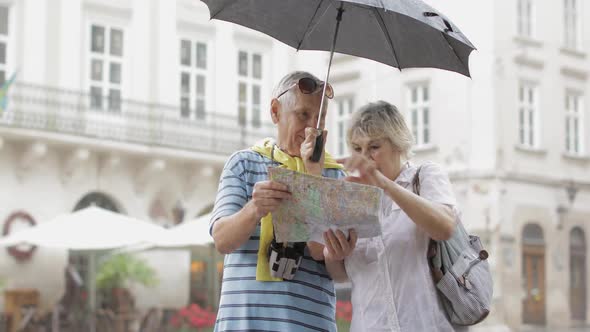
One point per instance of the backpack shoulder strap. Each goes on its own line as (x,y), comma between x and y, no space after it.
(416,181)
(432,254)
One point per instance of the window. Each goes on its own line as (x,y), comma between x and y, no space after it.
(525,18)
(193,79)
(574,120)
(420,114)
(106,67)
(527,115)
(571,27)
(4,12)
(345,107)
(249,88)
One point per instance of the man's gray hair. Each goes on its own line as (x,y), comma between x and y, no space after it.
(382,120)
(288,99)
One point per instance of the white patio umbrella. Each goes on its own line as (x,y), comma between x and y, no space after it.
(90,230)
(178,240)
(192,233)
(188,234)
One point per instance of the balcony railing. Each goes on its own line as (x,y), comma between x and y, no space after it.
(54,110)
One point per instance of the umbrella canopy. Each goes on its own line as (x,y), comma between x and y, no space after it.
(188,234)
(400,33)
(89,229)
(191,233)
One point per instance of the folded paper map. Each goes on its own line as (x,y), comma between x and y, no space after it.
(318,204)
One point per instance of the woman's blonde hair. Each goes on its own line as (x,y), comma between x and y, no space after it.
(382,120)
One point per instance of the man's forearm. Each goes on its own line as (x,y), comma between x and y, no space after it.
(229,233)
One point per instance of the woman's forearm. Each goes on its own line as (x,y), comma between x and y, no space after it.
(316,250)
(434,218)
(336,270)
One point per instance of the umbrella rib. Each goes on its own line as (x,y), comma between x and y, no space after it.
(455,52)
(384,29)
(309,23)
(222,9)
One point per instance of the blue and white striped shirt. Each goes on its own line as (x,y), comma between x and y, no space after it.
(306,303)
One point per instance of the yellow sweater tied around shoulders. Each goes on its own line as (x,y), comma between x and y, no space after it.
(265,148)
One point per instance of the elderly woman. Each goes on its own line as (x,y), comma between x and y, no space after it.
(392,288)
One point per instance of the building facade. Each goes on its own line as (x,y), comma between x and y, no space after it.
(135,105)
(130,105)
(514,139)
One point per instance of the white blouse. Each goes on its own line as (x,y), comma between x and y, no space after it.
(392,288)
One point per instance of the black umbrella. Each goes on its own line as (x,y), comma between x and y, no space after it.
(399,33)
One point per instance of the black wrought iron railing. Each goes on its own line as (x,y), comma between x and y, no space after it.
(54,110)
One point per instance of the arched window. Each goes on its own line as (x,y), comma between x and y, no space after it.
(533,274)
(578,240)
(578,274)
(532,235)
(205,210)
(97,199)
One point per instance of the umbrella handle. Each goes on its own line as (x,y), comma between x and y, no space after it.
(318,148)
(319,141)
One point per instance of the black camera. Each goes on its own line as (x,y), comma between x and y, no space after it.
(284,260)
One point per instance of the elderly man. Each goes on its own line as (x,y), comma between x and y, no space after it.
(253,296)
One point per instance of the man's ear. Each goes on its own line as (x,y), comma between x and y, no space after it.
(275,107)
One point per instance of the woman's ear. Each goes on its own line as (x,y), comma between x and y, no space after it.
(275,107)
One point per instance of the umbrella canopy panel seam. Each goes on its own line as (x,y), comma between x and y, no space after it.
(310,21)
(387,36)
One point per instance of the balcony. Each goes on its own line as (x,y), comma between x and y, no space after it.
(65,112)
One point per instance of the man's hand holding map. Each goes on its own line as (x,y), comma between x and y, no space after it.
(319,204)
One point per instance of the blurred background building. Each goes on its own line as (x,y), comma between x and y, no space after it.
(135,105)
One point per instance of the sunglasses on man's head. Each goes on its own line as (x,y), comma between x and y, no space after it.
(308,85)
